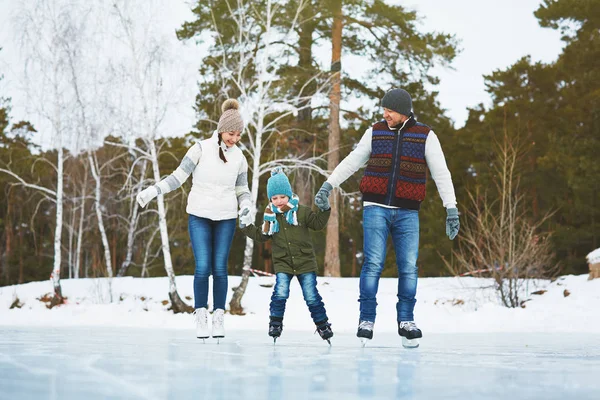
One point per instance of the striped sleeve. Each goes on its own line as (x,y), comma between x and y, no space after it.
(241,184)
(183,171)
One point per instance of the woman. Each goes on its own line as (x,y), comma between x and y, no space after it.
(220,184)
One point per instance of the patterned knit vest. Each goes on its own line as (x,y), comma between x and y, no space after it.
(396,173)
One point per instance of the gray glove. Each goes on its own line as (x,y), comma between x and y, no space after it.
(322,197)
(146,195)
(452,223)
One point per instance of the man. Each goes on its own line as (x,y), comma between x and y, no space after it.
(395,151)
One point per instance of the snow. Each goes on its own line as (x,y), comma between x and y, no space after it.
(594,257)
(444,305)
(134,348)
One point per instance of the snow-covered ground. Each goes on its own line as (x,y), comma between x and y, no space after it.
(445,305)
(473,348)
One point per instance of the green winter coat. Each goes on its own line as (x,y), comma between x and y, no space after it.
(293,251)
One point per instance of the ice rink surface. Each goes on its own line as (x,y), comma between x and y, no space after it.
(122,363)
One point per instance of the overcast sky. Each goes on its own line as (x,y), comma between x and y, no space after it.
(493,34)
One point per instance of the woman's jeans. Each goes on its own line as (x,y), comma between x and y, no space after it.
(211,241)
(403,225)
(308,283)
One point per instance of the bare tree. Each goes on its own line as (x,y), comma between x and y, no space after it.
(42,26)
(143,70)
(499,238)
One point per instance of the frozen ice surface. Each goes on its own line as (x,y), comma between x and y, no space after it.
(100,363)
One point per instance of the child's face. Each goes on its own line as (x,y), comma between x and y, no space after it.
(280,200)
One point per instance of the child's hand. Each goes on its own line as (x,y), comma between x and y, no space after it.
(322,197)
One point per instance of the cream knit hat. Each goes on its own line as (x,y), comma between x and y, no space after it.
(231,119)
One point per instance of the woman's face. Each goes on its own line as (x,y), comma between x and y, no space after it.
(231,138)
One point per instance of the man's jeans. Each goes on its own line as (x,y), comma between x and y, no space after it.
(211,241)
(403,224)
(308,283)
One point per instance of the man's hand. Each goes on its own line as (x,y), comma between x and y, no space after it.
(144,197)
(452,223)
(322,197)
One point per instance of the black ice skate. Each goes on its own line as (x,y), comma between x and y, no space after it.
(275,328)
(365,331)
(324,329)
(410,334)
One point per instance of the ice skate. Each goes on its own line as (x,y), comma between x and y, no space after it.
(365,332)
(218,324)
(410,334)
(201,318)
(324,329)
(275,328)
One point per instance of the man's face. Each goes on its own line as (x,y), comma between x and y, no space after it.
(393,118)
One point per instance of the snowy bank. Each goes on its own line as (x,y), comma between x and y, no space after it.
(569,304)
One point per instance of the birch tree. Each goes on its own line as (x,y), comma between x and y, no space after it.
(143,69)
(42,26)
(81,67)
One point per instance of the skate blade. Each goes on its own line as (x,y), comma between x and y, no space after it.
(329,341)
(410,343)
(364,341)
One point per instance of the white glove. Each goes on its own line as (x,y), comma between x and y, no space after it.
(146,195)
(247,214)
(246,220)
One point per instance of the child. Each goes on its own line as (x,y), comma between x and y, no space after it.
(287,223)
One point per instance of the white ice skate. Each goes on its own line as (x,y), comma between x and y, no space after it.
(218,324)
(201,318)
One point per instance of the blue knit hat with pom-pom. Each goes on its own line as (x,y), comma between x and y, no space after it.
(278,183)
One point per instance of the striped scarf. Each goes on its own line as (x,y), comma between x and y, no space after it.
(290,211)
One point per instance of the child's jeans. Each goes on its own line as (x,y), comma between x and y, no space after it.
(308,283)
(211,241)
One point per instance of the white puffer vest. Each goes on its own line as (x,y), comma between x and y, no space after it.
(213,185)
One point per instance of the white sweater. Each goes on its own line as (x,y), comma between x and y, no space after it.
(218,188)
(434,156)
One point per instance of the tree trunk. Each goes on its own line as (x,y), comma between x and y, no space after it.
(58,299)
(98,206)
(21,249)
(133,221)
(9,236)
(332,246)
(177,305)
(80,227)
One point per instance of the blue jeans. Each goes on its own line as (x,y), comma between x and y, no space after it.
(308,283)
(211,241)
(403,224)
